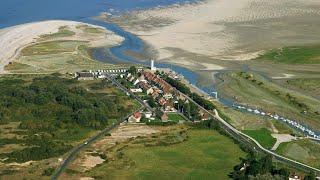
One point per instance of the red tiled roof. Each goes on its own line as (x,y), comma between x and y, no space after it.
(137,115)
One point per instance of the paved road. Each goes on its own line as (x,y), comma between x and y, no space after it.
(247,139)
(77,149)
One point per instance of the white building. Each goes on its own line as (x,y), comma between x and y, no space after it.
(153,68)
(137,90)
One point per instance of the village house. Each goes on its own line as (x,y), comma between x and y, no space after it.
(143,85)
(150,91)
(148,114)
(166,87)
(142,78)
(84,76)
(294,177)
(169,106)
(162,101)
(164,117)
(136,82)
(204,115)
(135,118)
(155,95)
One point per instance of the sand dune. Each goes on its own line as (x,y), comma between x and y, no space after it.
(14,39)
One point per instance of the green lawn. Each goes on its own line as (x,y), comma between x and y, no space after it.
(175,117)
(305,151)
(263,136)
(294,55)
(205,155)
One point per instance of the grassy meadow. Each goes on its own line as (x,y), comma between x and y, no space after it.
(294,55)
(205,154)
(263,136)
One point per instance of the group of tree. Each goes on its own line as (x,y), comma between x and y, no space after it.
(179,85)
(256,165)
(186,90)
(56,109)
(188,109)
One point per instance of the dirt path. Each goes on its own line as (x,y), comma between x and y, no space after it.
(282,138)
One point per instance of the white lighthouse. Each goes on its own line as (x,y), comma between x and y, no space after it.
(153,68)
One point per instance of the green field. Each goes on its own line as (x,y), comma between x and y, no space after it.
(263,136)
(205,155)
(294,55)
(175,117)
(305,151)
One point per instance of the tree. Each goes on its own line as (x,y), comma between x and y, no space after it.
(151,102)
(310,176)
(133,70)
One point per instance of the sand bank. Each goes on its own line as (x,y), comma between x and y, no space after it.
(225,29)
(14,39)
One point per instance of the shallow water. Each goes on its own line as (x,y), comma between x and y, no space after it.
(14,12)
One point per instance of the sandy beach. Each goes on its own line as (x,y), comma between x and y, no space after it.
(14,39)
(224,29)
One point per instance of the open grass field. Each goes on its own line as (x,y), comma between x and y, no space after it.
(255,91)
(294,55)
(204,155)
(305,151)
(263,136)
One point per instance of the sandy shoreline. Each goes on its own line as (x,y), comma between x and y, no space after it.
(14,39)
(224,30)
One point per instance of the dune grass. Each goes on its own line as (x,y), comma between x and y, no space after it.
(263,136)
(305,151)
(205,155)
(63,32)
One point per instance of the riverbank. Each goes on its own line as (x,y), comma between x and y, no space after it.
(14,39)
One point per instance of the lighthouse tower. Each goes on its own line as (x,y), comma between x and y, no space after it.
(153,68)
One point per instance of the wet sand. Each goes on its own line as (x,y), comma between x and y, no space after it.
(201,33)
